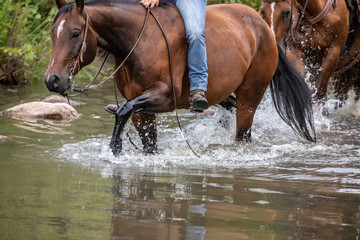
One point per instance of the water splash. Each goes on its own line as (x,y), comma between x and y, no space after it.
(273,143)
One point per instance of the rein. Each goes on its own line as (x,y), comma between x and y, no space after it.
(89,86)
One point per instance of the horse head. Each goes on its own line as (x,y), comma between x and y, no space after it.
(282,16)
(74,45)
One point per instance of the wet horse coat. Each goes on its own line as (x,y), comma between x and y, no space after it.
(242,59)
(319,39)
(347,74)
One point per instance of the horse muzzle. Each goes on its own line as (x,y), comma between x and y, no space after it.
(54,84)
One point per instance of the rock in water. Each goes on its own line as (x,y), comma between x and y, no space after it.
(356,111)
(59,99)
(46,110)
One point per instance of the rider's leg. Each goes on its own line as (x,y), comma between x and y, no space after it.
(194,15)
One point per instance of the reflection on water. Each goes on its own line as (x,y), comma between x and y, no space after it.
(48,127)
(59,180)
(229,206)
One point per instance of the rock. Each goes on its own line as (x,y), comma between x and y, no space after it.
(59,99)
(356,111)
(3,138)
(46,110)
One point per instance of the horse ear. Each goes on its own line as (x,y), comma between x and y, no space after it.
(60,3)
(80,5)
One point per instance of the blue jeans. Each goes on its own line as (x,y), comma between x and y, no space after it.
(193,13)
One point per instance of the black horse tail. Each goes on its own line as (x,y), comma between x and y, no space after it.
(292,98)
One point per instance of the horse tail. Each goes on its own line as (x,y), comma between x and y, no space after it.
(292,98)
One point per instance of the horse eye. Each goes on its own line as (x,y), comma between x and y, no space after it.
(76,34)
(285,15)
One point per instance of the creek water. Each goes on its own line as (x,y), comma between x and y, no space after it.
(59,180)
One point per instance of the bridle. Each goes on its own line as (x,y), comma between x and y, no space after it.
(307,23)
(82,50)
(308,26)
(80,56)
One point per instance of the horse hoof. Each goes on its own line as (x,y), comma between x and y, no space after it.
(116,152)
(116,149)
(151,150)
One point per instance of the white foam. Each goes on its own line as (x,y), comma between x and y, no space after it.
(273,143)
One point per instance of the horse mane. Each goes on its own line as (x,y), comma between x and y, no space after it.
(68,7)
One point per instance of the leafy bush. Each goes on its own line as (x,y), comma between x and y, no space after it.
(252,3)
(24,38)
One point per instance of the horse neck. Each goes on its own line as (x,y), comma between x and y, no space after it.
(117,26)
(313,7)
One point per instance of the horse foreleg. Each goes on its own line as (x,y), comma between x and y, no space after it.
(328,66)
(145,124)
(342,87)
(122,116)
(145,106)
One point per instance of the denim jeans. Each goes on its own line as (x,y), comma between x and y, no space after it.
(193,13)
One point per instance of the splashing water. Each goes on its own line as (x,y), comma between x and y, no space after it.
(273,142)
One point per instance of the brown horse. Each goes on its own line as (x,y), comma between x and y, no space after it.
(315,29)
(347,74)
(242,58)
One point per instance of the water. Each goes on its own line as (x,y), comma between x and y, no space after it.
(59,180)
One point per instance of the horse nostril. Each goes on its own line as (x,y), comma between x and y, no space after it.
(55,80)
(52,82)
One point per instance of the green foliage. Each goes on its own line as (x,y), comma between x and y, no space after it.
(252,3)
(24,38)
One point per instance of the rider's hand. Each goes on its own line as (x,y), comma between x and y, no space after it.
(150,3)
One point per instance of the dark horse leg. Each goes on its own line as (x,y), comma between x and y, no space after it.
(145,124)
(144,120)
(342,87)
(123,114)
(145,105)
(229,103)
(120,121)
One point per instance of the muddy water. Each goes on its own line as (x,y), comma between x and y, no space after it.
(59,180)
